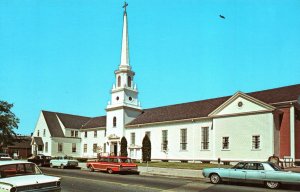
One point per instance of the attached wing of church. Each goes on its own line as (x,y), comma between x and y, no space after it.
(244,126)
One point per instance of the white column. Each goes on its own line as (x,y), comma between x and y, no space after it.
(292,131)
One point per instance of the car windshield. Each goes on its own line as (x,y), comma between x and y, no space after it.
(125,160)
(68,157)
(275,167)
(240,165)
(19,169)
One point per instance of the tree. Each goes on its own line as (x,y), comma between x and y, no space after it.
(8,122)
(124,147)
(146,149)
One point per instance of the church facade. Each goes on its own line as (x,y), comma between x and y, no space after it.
(244,126)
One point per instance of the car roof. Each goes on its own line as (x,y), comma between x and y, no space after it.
(10,162)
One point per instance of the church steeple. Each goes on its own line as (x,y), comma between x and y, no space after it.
(125,47)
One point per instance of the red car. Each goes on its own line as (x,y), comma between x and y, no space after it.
(112,164)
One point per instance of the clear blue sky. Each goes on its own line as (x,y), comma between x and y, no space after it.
(60,55)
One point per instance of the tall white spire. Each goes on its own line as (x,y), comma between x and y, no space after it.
(125,46)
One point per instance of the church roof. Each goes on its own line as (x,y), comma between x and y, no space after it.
(70,121)
(202,108)
(95,122)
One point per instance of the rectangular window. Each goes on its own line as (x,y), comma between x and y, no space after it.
(204,138)
(183,139)
(104,148)
(44,133)
(95,147)
(85,148)
(46,147)
(95,133)
(40,147)
(148,133)
(225,144)
(72,133)
(76,133)
(60,147)
(132,136)
(85,134)
(164,140)
(73,147)
(255,142)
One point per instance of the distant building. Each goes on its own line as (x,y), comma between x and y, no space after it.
(20,148)
(244,126)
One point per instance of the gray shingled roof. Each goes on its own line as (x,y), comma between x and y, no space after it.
(182,111)
(70,121)
(205,107)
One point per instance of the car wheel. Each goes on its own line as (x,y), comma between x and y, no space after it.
(110,171)
(51,165)
(272,184)
(62,166)
(91,168)
(215,178)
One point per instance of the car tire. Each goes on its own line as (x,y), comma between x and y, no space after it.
(110,171)
(272,184)
(51,166)
(62,166)
(215,178)
(91,168)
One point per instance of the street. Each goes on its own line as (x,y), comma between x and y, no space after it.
(74,180)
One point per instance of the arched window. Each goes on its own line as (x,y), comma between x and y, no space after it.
(114,122)
(119,81)
(129,81)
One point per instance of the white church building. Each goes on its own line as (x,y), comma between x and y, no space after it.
(243,126)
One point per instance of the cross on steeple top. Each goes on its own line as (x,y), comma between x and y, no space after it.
(124,6)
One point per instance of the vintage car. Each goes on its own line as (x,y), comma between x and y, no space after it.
(63,161)
(112,164)
(40,160)
(266,173)
(25,176)
(4,156)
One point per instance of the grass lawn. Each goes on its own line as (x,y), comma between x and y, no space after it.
(179,165)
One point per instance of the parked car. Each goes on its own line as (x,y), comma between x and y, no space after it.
(4,156)
(63,161)
(112,164)
(25,176)
(266,173)
(40,160)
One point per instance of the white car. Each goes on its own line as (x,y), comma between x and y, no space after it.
(63,162)
(25,176)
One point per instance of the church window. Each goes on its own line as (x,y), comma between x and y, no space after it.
(40,147)
(76,133)
(129,81)
(204,138)
(225,143)
(85,148)
(130,98)
(60,147)
(85,134)
(183,139)
(164,143)
(132,136)
(72,133)
(104,148)
(117,98)
(255,142)
(44,133)
(95,133)
(73,147)
(38,133)
(46,147)
(148,133)
(114,122)
(95,147)
(119,81)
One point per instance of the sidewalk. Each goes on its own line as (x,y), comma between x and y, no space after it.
(186,173)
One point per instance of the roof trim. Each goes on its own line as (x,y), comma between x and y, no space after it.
(245,96)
